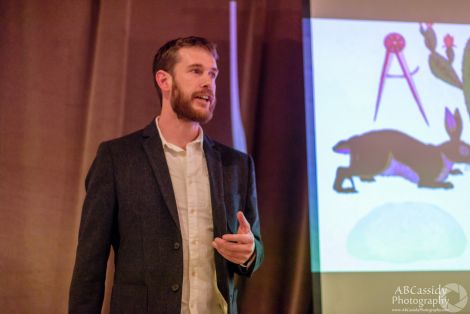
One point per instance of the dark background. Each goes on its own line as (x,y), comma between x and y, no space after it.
(75,73)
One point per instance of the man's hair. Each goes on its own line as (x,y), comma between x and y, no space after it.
(167,56)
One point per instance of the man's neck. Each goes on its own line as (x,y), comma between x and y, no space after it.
(177,131)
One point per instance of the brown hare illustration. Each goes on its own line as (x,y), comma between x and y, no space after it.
(393,153)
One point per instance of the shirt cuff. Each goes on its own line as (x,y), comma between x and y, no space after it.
(248,263)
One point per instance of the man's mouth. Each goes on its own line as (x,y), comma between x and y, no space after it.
(206,98)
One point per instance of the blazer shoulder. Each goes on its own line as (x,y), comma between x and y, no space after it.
(228,151)
(135,138)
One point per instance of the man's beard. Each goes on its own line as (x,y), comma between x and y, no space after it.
(181,104)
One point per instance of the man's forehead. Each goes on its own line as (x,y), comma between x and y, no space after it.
(196,56)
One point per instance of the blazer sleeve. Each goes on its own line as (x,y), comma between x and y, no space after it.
(252,215)
(95,236)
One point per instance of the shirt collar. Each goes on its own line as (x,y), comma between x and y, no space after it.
(167,145)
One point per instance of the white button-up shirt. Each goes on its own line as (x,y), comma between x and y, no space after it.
(190,180)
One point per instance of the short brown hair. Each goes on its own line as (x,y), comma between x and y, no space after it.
(166,57)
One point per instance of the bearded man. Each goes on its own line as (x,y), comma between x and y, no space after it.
(178,209)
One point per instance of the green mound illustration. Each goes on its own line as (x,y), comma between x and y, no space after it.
(406,233)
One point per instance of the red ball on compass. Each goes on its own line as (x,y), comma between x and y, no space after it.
(394,42)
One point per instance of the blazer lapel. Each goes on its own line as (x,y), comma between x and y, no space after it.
(154,148)
(214,167)
(216,183)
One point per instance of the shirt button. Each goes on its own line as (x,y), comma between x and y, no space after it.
(176,245)
(175,287)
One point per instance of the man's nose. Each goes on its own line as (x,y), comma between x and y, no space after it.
(208,82)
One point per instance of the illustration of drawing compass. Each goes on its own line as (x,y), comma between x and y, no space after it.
(394,45)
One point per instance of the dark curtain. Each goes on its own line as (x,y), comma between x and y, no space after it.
(75,73)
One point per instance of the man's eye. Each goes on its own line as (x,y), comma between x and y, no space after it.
(196,71)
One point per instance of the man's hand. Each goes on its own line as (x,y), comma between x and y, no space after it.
(238,247)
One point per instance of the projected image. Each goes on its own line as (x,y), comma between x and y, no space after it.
(392,127)
(393,153)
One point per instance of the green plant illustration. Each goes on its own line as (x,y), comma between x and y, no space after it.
(441,66)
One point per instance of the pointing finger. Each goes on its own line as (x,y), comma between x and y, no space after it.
(244,226)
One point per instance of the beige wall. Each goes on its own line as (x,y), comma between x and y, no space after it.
(452,11)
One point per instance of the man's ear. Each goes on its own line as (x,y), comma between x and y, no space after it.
(163,80)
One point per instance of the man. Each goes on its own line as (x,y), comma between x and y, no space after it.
(178,208)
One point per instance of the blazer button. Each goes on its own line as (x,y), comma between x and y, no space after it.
(176,245)
(175,287)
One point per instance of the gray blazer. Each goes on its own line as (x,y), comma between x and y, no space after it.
(130,205)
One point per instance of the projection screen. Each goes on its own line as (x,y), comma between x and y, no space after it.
(387,89)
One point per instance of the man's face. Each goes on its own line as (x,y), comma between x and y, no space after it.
(193,89)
